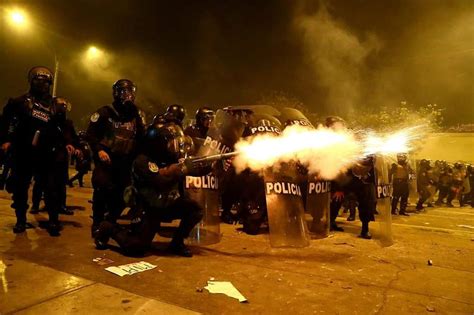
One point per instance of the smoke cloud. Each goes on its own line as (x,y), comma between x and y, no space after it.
(337,57)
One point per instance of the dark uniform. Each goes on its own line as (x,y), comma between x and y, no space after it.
(363,186)
(423,182)
(83,164)
(456,184)
(338,186)
(400,175)
(35,126)
(339,190)
(114,133)
(204,117)
(157,178)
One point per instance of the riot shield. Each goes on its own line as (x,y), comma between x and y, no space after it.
(318,191)
(383,193)
(220,138)
(317,204)
(204,190)
(291,116)
(285,207)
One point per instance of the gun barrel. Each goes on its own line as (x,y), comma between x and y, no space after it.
(215,157)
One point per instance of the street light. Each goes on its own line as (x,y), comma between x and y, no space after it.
(94,53)
(17,18)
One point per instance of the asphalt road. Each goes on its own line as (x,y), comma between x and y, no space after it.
(341,274)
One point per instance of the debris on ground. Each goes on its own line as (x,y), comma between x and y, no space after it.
(225,287)
(199,289)
(102,261)
(430,262)
(347,287)
(466,226)
(130,269)
(430,308)
(344,243)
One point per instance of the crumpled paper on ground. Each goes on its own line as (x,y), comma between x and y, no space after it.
(225,287)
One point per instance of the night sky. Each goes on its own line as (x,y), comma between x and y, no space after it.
(333,56)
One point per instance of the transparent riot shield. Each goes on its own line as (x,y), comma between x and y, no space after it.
(383,193)
(204,190)
(285,207)
(291,116)
(220,138)
(317,204)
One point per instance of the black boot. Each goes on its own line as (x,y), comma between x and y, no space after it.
(364,233)
(351,217)
(54,228)
(336,228)
(66,211)
(403,212)
(20,225)
(34,209)
(102,234)
(419,205)
(177,247)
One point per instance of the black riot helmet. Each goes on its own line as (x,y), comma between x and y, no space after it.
(402,158)
(166,144)
(335,122)
(40,79)
(204,117)
(158,120)
(175,113)
(425,164)
(124,91)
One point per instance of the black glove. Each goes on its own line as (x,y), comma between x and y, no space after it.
(191,168)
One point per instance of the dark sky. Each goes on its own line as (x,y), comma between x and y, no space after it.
(334,56)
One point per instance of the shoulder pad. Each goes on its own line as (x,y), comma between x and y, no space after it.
(18,100)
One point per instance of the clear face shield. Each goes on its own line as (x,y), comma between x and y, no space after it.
(41,84)
(180,146)
(125,95)
(207,120)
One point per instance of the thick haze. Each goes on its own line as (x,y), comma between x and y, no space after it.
(333,56)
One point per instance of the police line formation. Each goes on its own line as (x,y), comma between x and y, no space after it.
(163,173)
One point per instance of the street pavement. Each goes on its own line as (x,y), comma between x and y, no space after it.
(341,274)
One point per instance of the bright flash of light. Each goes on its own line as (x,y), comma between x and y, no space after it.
(93,52)
(17,18)
(324,151)
(401,141)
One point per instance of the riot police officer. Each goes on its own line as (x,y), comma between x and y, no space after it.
(399,175)
(36,132)
(175,113)
(338,185)
(363,186)
(114,133)
(83,165)
(423,183)
(204,117)
(157,176)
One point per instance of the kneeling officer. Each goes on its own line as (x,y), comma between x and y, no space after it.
(157,174)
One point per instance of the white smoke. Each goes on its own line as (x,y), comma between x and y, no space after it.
(337,56)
